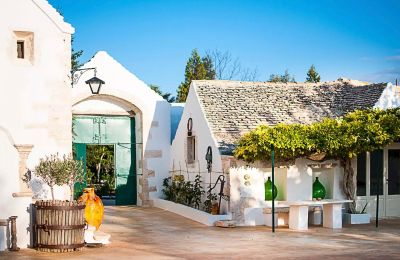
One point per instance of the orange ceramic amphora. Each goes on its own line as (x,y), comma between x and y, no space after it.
(94,209)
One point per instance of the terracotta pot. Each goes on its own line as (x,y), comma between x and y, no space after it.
(214,208)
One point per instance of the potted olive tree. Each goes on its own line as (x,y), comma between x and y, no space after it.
(59,224)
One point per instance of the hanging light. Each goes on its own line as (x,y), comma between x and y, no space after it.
(95,84)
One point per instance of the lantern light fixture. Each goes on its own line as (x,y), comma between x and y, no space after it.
(94,83)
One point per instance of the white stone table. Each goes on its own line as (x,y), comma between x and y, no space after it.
(298,212)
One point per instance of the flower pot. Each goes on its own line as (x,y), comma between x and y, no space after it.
(363,218)
(214,208)
(59,226)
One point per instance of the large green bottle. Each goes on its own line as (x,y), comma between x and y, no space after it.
(268,189)
(318,190)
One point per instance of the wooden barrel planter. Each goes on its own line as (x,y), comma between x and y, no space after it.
(59,226)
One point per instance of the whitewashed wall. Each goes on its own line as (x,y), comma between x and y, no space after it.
(124,92)
(35,98)
(293,182)
(204,138)
(390,97)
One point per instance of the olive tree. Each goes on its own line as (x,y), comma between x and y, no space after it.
(55,170)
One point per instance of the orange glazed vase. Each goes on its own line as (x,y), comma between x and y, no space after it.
(94,209)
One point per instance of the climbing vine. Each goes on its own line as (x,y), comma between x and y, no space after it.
(341,139)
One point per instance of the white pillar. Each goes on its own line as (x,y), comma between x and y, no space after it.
(298,217)
(332,216)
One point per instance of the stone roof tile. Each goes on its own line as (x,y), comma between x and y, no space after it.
(234,107)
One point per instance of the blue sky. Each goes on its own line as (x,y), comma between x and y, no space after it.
(153,39)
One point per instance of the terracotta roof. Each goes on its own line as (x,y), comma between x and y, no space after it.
(234,107)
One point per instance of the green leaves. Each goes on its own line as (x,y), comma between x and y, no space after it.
(197,68)
(56,170)
(340,138)
(312,75)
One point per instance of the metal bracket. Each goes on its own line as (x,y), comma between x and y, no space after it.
(77,73)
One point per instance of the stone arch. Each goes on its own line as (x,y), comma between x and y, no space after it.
(131,110)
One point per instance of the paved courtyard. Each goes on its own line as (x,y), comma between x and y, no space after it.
(151,233)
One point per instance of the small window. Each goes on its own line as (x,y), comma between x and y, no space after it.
(191,149)
(20,49)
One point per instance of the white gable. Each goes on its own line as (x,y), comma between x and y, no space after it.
(54,16)
(116,77)
(390,97)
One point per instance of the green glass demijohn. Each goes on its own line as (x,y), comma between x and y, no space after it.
(268,189)
(318,189)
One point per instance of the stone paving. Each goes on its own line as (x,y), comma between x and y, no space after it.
(151,233)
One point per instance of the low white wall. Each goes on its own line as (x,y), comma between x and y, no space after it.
(190,213)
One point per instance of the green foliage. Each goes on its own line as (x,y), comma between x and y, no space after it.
(183,192)
(209,67)
(75,56)
(100,170)
(56,170)
(211,197)
(196,69)
(167,96)
(285,78)
(341,139)
(312,75)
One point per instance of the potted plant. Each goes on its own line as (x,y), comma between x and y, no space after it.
(357,217)
(59,225)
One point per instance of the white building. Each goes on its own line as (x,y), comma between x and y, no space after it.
(38,107)
(35,104)
(122,97)
(221,111)
(38,104)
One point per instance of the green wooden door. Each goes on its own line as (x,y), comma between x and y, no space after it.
(80,154)
(120,132)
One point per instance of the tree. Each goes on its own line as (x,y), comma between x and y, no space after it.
(229,68)
(167,96)
(75,56)
(209,67)
(54,170)
(312,75)
(196,69)
(340,139)
(285,78)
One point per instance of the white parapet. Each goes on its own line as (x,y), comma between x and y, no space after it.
(190,213)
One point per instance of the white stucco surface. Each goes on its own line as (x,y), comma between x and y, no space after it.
(123,94)
(204,138)
(36,97)
(390,97)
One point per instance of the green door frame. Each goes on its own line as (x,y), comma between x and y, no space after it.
(110,130)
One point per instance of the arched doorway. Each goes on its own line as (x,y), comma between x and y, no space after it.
(117,132)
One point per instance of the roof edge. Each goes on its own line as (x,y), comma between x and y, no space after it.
(54,16)
(193,85)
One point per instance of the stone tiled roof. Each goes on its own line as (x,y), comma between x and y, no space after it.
(234,107)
